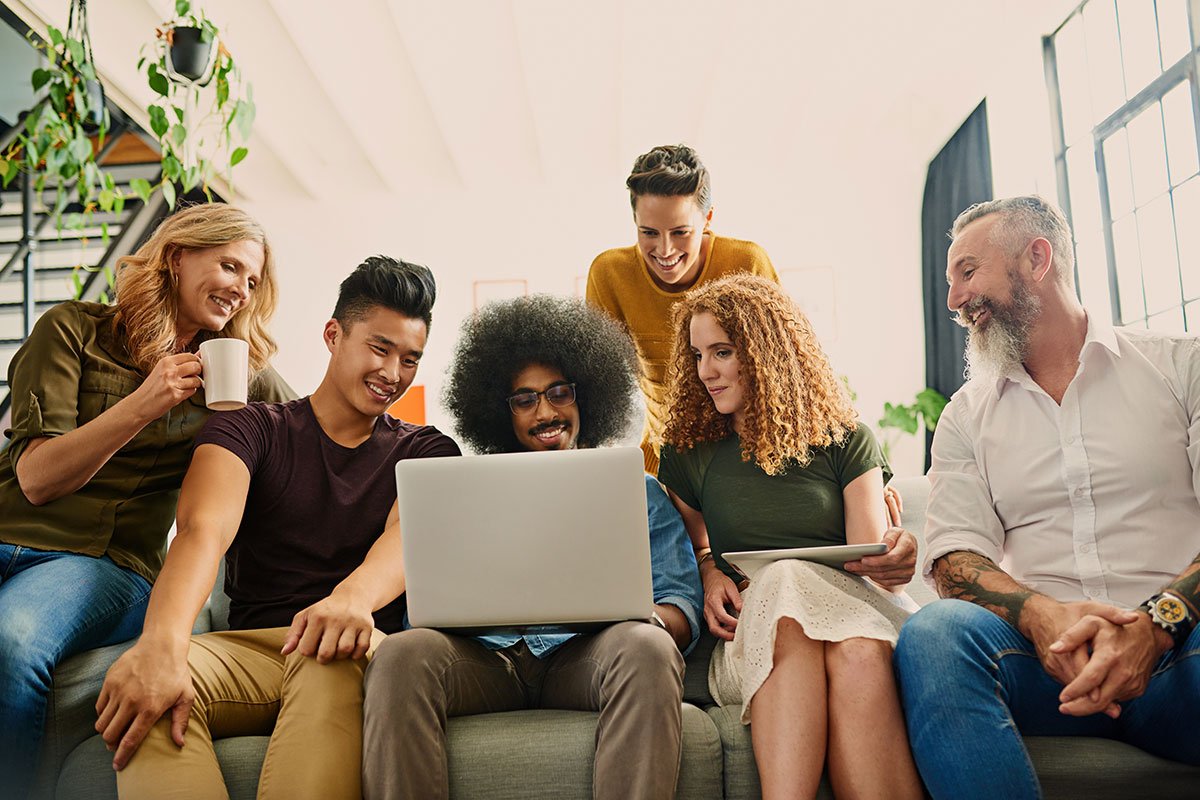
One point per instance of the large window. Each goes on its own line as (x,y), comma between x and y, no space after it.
(1125,103)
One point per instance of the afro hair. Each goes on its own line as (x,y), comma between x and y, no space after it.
(502,338)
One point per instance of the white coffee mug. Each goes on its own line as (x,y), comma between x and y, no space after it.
(226,364)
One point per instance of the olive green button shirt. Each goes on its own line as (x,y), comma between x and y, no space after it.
(72,369)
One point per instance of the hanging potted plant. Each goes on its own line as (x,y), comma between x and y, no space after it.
(203,104)
(55,145)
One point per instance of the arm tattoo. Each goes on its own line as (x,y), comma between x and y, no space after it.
(1187,585)
(963,575)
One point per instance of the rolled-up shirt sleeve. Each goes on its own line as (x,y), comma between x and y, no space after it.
(673,564)
(960,515)
(44,378)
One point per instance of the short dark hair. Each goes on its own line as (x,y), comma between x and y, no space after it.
(502,338)
(670,170)
(388,282)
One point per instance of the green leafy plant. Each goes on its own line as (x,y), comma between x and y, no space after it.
(55,144)
(195,119)
(901,419)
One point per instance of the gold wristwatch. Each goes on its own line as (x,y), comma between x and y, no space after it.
(1172,615)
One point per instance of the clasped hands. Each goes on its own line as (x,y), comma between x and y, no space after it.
(1101,654)
(152,678)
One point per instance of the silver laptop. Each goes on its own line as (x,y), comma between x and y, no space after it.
(525,541)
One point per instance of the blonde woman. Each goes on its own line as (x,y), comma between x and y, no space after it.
(106,401)
(763,451)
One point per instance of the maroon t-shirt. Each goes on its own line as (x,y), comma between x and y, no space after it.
(314,507)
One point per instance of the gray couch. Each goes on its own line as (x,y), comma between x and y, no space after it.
(548,754)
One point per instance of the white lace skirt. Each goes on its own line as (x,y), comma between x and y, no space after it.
(829,604)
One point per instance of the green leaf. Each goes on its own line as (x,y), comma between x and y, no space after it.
(81,149)
(245,118)
(39,78)
(171,167)
(179,135)
(178,113)
(141,187)
(931,403)
(104,232)
(237,156)
(104,298)
(899,416)
(141,63)
(158,121)
(14,167)
(158,82)
(119,204)
(88,71)
(190,178)
(75,48)
(222,90)
(56,37)
(31,153)
(58,97)
(106,198)
(182,7)
(168,189)
(110,277)
(77,283)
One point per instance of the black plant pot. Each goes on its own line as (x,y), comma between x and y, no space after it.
(189,53)
(94,92)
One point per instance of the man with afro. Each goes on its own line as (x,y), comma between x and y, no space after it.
(544,373)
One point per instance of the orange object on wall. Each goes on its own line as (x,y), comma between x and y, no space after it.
(410,407)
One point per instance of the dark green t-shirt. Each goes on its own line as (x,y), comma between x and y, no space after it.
(72,369)
(746,509)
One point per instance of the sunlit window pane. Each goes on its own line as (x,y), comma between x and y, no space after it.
(1104,58)
(1181,133)
(1085,192)
(1116,168)
(1148,154)
(1160,271)
(1073,80)
(1139,44)
(1092,267)
(1129,269)
(1173,30)
(1187,213)
(1168,321)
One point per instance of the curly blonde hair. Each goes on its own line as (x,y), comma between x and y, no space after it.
(794,402)
(147,299)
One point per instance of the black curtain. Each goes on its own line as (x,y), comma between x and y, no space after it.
(961,174)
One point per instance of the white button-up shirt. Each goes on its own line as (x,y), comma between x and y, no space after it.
(1096,498)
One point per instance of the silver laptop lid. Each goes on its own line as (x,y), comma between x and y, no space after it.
(525,539)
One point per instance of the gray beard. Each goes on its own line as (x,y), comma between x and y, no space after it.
(1002,345)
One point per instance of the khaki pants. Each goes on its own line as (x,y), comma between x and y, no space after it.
(244,687)
(631,672)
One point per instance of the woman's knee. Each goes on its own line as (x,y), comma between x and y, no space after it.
(858,658)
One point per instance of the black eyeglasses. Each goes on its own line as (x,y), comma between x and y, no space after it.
(559,395)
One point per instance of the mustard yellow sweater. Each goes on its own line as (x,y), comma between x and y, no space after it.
(619,282)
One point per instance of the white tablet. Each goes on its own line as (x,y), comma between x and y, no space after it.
(748,562)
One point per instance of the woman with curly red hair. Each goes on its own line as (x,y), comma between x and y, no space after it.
(764,451)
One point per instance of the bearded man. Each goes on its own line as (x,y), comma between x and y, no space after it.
(1063,523)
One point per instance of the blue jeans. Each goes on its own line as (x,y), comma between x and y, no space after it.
(972,685)
(52,606)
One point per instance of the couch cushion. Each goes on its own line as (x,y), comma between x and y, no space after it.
(1102,769)
(88,775)
(549,754)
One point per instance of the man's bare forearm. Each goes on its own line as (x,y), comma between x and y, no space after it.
(963,575)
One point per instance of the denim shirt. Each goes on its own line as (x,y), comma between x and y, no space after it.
(673,570)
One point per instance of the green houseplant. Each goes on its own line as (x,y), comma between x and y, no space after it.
(55,145)
(202,103)
(899,419)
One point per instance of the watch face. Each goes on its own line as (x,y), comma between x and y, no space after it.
(1170,610)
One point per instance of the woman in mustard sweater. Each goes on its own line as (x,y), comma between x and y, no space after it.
(676,250)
